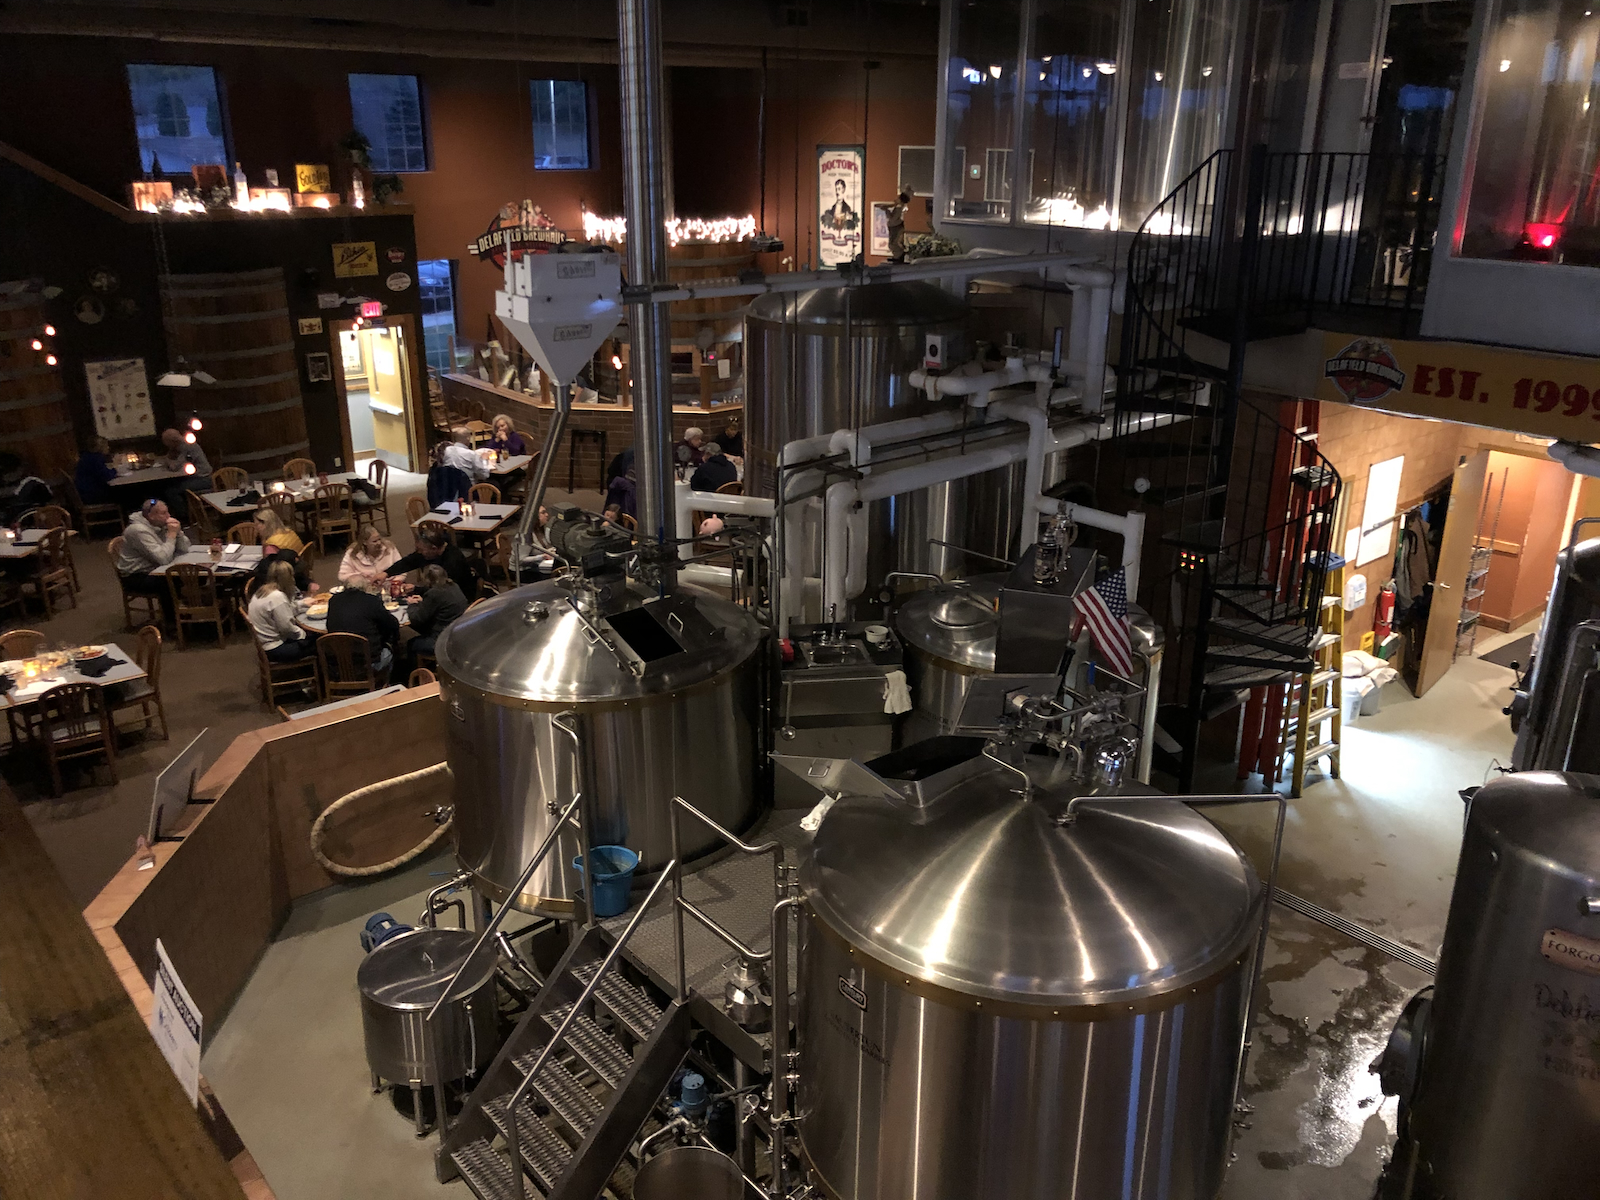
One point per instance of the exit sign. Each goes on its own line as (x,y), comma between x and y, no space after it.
(372,308)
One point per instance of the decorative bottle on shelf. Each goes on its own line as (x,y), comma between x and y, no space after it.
(241,186)
(358,194)
(1047,556)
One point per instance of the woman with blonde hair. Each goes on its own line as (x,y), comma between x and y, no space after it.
(275,533)
(505,437)
(272,616)
(369,557)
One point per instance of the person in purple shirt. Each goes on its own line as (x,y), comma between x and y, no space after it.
(506,437)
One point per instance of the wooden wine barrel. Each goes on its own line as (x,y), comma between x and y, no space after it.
(34,422)
(235,326)
(688,261)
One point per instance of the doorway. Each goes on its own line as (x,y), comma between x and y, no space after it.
(374,369)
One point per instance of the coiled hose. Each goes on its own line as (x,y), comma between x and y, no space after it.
(415,852)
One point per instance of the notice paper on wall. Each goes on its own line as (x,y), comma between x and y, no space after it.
(175,1024)
(1377,516)
(119,394)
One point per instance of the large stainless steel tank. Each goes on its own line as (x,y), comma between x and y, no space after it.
(840,358)
(1508,1100)
(995,1005)
(399,982)
(676,713)
(1556,732)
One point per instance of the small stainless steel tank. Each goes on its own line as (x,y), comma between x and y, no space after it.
(998,1005)
(399,983)
(664,696)
(1507,1105)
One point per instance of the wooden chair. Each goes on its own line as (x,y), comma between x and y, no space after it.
(731,489)
(197,600)
(91,516)
(345,662)
(284,505)
(229,479)
(199,515)
(46,516)
(420,676)
(334,513)
(142,693)
(55,573)
(299,468)
(74,722)
(499,558)
(245,533)
(628,523)
(276,677)
(483,493)
(375,511)
(152,606)
(416,509)
(438,527)
(21,643)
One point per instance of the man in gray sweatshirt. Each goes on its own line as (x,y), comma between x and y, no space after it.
(153,538)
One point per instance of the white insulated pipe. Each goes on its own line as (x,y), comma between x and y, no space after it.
(687,501)
(1130,526)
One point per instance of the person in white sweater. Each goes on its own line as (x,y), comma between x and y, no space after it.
(459,454)
(368,558)
(272,612)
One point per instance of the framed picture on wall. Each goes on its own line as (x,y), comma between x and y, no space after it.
(839,232)
(880,227)
(319,367)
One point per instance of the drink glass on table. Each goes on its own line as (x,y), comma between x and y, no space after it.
(216,549)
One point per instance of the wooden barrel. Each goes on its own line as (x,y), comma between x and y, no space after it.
(689,261)
(235,327)
(34,423)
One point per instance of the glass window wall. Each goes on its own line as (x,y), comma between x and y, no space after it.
(981,106)
(1069,86)
(1535,188)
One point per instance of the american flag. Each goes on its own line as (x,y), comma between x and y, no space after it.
(1104,609)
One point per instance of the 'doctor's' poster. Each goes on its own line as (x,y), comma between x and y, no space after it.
(839,197)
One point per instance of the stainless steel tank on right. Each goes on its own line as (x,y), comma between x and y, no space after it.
(1499,1070)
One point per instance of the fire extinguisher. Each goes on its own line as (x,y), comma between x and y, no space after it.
(1384,617)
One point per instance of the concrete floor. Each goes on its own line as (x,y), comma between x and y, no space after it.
(1378,846)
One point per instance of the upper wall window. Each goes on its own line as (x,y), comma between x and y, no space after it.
(387,109)
(178,116)
(560,124)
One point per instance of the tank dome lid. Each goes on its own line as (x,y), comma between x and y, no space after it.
(872,304)
(957,624)
(986,894)
(532,644)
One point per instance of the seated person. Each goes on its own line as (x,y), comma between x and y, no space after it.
(458,453)
(271,555)
(359,609)
(622,493)
(438,602)
(506,437)
(181,454)
(434,547)
(368,557)
(689,452)
(713,471)
(94,473)
(20,490)
(273,532)
(152,539)
(272,614)
(731,440)
(446,482)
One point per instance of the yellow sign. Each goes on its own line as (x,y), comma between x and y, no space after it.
(355,258)
(1548,395)
(312,177)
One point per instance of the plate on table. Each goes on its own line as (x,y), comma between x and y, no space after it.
(88,653)
(317,611)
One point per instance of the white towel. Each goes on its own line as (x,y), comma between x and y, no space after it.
(896,693)
(813,819)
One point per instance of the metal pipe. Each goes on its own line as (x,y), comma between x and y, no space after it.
(647,206)
(781,1101)
(541,472)
(565,722)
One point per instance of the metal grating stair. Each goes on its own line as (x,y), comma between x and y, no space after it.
(486,1171)
(597,1048)
(544,1154)
(567,1098)
(629,1004)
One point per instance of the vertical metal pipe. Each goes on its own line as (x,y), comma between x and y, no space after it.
(647,202)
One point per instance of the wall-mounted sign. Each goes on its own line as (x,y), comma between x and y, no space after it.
(839,198)
(372,308)
(319,367)
(329,300)
(355,258)
(395,254)
(1547,395)
(312,177)
(175,1024)
(119,394)
(398,282)
(880,227)
(524,227)
(310,325)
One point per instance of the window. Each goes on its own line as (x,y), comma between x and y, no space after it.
(560,124)
(916,170)
(387,109)
(437,290)
(178,117)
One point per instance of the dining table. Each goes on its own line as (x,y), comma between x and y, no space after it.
(25,691)
(319,624)
(129,477)
(512,464)
(25,543)
(304,491)
(234,560)
(485,518)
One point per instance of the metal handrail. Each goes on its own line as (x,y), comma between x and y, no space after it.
(513,1138)
(509,903)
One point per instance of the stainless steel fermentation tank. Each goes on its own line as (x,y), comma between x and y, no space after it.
(662,694)
(1557,714)
(1507,1101)
(840,358)
(1000,1003)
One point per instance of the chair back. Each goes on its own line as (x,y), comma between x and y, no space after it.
(378,476)
(229,479)
(628,523)
(731,489)
(53,553)
(333,503)
(446,484)
(114,548)
(416,509)
(437,526)
(194,585)
(483,493)
(46,516)
(245,533)
(420,676)
(250,585)
(473,410)
(283,504)
(346,663)
(299,468)
(148,654)
(21,643)
(199,517)
(72,712)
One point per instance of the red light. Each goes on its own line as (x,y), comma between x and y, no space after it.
(1542,234)
(372,308)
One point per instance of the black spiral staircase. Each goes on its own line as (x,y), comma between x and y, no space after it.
(1240,505)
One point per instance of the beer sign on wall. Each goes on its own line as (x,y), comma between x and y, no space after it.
(524,227)
(839,224)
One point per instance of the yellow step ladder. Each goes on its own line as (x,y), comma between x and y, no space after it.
(1314,702)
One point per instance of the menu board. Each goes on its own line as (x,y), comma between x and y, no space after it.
(119,393)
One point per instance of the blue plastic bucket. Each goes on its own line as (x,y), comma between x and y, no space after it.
(613,878)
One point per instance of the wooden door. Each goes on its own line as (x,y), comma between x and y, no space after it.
(1449,582)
